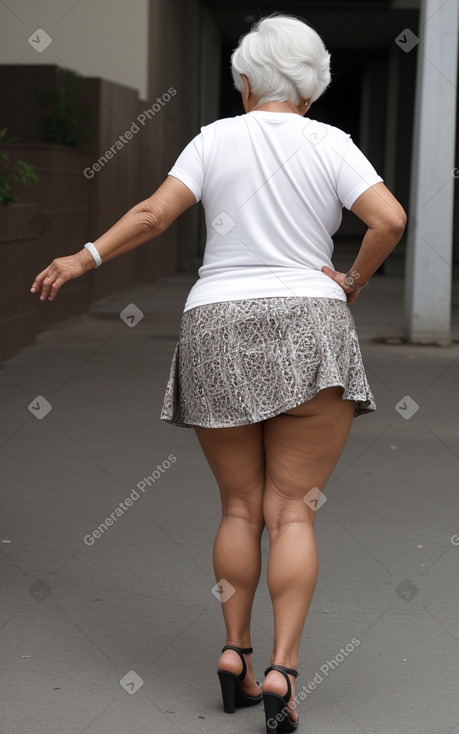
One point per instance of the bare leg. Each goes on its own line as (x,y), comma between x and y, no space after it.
(302,447)
(236,458)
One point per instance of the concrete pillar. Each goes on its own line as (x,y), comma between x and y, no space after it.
(429,259)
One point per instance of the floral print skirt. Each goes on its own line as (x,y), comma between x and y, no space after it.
(240,362)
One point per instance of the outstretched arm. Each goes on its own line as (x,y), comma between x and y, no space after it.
(142,223)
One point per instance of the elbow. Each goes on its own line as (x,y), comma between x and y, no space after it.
(394,225)
(399,223)
(150,222)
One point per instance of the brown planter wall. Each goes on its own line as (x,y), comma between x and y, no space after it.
(72,208)
(115,187)
(18,318)
(18,86)
(158,257)
(128,176)
(60,223)
(150,255)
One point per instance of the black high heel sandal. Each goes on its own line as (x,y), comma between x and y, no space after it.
(232,692)
(276,710)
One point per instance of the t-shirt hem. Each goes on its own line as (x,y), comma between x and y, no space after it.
(219,298)
(360,189)
(185,179)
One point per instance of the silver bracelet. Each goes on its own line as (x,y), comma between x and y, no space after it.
(355,286)
(93,250)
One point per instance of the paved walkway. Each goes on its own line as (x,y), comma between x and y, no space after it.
(117,630)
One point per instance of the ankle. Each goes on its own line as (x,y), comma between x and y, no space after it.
(240,642)
(275,682)
(233,661)
(285,661)
(230,661)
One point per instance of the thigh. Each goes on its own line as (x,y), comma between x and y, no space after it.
(302,447)
(236,458)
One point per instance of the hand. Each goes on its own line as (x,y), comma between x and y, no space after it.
(50,281)
(340,278)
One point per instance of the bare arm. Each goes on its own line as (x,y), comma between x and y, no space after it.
(143,222)
(386,221)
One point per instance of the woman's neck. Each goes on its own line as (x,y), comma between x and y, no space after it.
(278,107)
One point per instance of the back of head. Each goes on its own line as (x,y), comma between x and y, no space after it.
(284,59)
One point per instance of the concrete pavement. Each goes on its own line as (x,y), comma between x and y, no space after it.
(113,631)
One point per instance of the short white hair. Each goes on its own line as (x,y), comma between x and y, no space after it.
(284,59)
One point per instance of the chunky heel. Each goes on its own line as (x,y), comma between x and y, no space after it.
(273,706)
(232,692)
(228,682)
(276,707)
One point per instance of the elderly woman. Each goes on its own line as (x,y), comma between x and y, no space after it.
(267,369)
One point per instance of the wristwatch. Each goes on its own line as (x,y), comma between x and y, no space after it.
(352,284)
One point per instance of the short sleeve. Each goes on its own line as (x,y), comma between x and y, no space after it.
(356,174)
(189,168)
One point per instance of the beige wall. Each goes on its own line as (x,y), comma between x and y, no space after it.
(102,38)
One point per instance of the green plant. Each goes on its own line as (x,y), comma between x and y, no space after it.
(12,171)
(63,118)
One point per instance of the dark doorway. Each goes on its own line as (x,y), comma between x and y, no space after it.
(338,106)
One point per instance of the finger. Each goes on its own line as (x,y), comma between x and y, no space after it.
(47,284)
(330,272)
(36,285)
(352,297)
(55,288)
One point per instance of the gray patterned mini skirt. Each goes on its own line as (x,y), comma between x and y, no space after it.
(240,362)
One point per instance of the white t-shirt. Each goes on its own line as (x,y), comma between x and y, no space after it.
(273,185)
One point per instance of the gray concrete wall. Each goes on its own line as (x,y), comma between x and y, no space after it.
(99,38)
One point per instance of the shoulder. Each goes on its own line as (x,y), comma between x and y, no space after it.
(335,132)
(329,143)
(317,131)
(225,124)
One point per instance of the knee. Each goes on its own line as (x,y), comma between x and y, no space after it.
(248,508)
(280,510)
